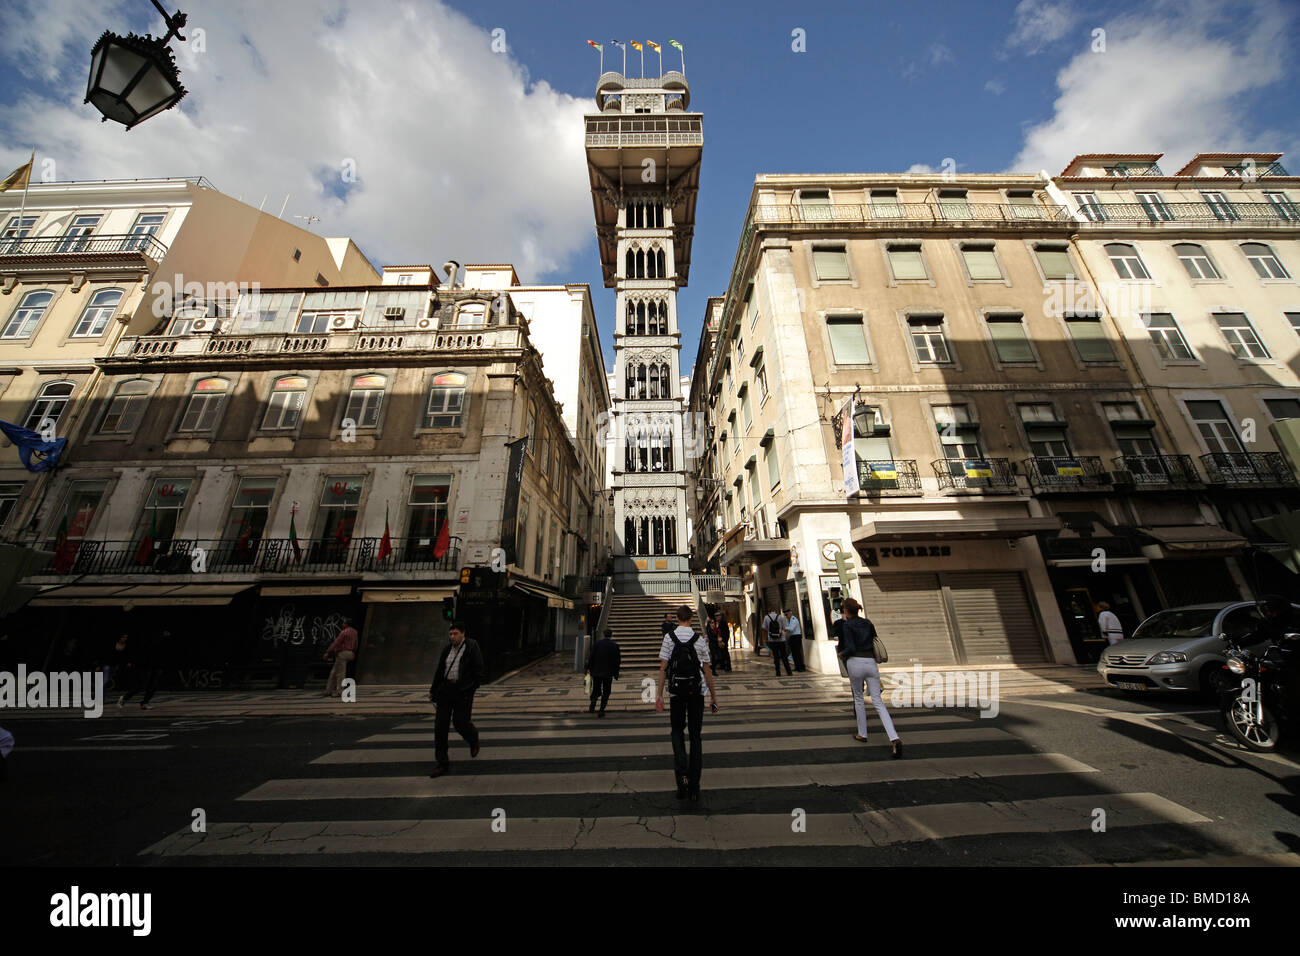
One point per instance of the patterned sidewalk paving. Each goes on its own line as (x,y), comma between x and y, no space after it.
(549,686)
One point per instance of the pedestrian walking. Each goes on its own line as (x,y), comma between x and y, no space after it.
(344,650)
(459,671)
(856,636)
(794,636)
(775,628)
(144,667)
(684,665)
(117,661)
(668,624)
(1109,624)
(603,665)
(722,637)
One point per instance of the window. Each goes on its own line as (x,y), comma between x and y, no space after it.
(1155,207)
(521,535)
(15,231)
(49,405)
(1047,436)
(79,508)
(1294,319)
(427,512)
(404,279)
(905,260)
(928,340)
(9,492)
(1196,261)
(285,405)
(884,204)
(100,309)
(74,239)
(1054,260)
(871,436)
(830,262)
(146,224)
(953,204)
(1283,206)
(981,261)
(848,340)
(760,379)
(1009,339)
(531,431)
(540,545)
(1023,205)
(336,517)
(1133,435)
(1089,207)
(126,409)
(1240,335)
(159,516)
(246,522)
(1220,208)
(1214,426)
(27,316)
(814,205)
(314,323)
(1264,261)
(1281,408)
(1127,262)
(1167,337)
(204,406)
(773,466)
(746,410)
(1089,338)
(364,401)
(447,402)
(958,436)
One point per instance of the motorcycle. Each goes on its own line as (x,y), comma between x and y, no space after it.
(1257,696)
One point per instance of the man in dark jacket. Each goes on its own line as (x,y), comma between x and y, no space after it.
(460,670)
(668,624)
(603,665)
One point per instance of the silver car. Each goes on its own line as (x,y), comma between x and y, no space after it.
(1180,649)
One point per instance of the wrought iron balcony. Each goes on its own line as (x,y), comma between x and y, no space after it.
(251,556)
(1185,213)
(84,246)
(896,475)
(1134,169)
(887,214)
(1247,468)
(1256,170)
(1149,471)
(989,474)
(1065,474)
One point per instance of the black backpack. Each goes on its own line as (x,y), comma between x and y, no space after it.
(774,631)
(684,667)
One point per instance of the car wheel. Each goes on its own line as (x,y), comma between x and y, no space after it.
(1212,680)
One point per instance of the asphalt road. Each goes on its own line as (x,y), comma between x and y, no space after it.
(781,786)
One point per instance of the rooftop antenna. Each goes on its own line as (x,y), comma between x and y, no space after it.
(282,208)
(308,220)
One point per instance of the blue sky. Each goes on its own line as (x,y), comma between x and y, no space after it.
(470,152)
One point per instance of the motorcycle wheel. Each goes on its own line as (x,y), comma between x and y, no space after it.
(1238,715)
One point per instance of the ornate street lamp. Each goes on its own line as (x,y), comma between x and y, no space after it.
(134,77)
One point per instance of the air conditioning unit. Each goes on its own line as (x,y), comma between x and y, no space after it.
(343,323)
(395,313)
(204,325)
(424,324)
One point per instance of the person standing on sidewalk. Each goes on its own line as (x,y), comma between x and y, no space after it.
(603,666)
(460,669)
(857,637)
(684,663)
(775,628)
(794,634)
(344,650)
(144,667)
(1109,624)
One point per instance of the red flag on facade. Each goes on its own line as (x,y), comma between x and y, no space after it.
(443,543)
(63,554)
(340,533)
(245,538)
(145,551)
(386,542)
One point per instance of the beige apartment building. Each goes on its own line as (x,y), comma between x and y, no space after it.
(1014,468)
(250,474)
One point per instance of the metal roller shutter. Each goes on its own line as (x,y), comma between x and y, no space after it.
(908,612)
(1195,581)
(995,623)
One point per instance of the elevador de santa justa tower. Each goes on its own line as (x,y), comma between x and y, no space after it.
(643,157)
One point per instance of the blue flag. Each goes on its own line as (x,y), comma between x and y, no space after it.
(36,453)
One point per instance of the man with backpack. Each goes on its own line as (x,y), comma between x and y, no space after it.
(684,665)
(775,628)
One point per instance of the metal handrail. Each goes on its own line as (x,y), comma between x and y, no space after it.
(936,213)
(946,471)
(1158,469)
(83,245)
(1256,213)
(908,479)
(1037,469)
(1247,468)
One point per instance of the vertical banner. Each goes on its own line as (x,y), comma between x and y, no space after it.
(510,512)
(847,451)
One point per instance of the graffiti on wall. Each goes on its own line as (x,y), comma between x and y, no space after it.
(289,627)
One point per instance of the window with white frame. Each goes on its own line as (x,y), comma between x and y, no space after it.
(22,323)
(365,399)
(446,408)
(1167,337)
(1054,260)
(1196,261)
(760,379)
(1264,261)
(1089,338)
(830,262)
(248,516)
(1128,264)
(773,461)
(126,408)
(1024,205)
(284,407)
(336,516)
(884,204)
(905,260)
(1281,408)
(1156,208)
(814,205)
(928,341)
(1133,435)
(1047,435)
(146,224)
(1294,319)
(94,320)
(981,261)
(427,513)
(848,340)
(9,493)
(1009,338)
(49,405)
(160,515)
(15,231)
(1089,207)
(1283,206)
(76,237)
(1220,207)
(958,436)
(1215,426)
(1240,336)
(953,204)
(205,404)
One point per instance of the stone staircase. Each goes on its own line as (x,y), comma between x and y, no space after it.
(635,620)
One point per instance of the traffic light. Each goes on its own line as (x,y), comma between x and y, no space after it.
(464,575)
(844,565)
(449,609)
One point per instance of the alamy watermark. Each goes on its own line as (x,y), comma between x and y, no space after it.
(37,690)
(919,688)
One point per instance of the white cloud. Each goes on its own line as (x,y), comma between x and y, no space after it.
(457,154)
(1039,23)
(995,86)
(1171,84)
(920,168)
(939,54)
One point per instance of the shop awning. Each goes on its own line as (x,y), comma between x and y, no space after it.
(305,590)
(552,598)
(405,595)
(139,595)
(951,528)
(765,549)
(1185,540)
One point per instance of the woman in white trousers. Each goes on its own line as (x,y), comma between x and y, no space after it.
(856,636)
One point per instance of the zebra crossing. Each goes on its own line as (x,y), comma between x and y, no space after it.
(778,787)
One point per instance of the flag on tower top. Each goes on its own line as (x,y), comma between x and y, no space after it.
(20,177)
(636,44)
(593,43)
(652,45)
(617,43)
(672,42)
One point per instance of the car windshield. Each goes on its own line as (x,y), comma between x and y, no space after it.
(1177,625)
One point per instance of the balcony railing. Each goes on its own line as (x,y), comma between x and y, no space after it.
(1247,468)
(1252,213)
(165,347)
(920,213)
(726,583)
(990,474)
(1065,474)
(896,475)
(255,556)
(1158,470)
(92,245)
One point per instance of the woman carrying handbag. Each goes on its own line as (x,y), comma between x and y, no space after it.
(858,650)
